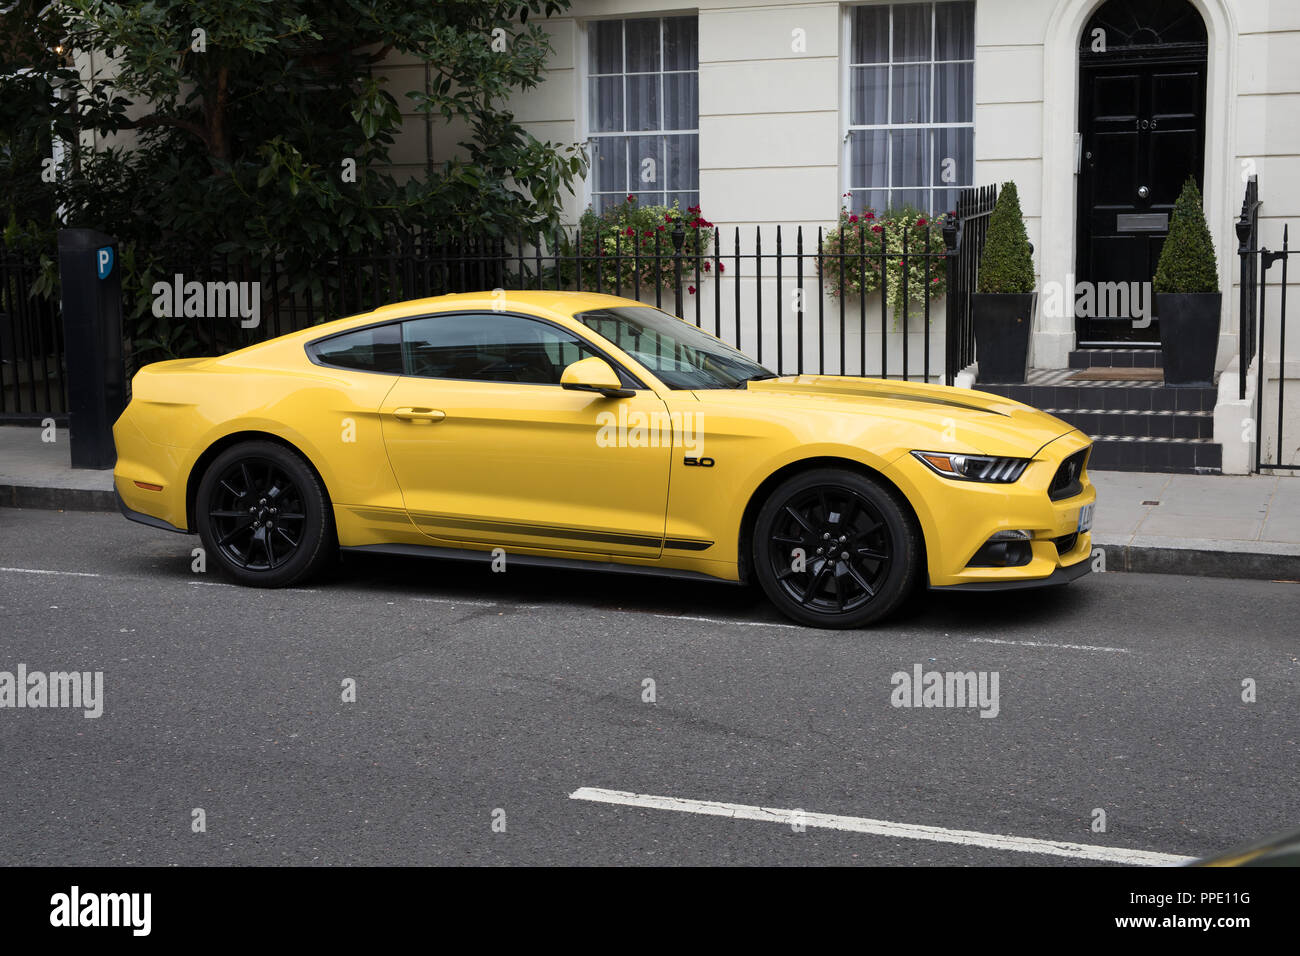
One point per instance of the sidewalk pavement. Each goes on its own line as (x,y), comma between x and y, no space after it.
(1217,525)
(1239,526)
(37,474)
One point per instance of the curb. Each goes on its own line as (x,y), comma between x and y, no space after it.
(1196,562)
(57,499)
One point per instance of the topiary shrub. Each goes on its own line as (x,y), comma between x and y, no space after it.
(1007,264)
(1187,260)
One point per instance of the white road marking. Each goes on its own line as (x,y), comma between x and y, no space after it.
(227,584)
(75,574)
(885,828)
(429,600)
(719,620)
(1064,647)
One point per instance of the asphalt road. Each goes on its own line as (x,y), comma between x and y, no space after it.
(480,692)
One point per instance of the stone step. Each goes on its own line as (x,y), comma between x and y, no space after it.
(1115,358)
(1138,424)
(1177,455)
(1111,396)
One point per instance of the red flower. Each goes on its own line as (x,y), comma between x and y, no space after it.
(875,229)
(708,266)
(631,231)
(631,198)
(722,267)
(920,222)
(660,228)
(869,215)
(853,218)
(649,233)
(691,289)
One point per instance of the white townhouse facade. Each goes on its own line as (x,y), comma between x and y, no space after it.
(769,112)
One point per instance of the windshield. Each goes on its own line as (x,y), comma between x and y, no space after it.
(679,354)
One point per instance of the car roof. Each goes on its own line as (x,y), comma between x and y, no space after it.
(558,302)
(557,305)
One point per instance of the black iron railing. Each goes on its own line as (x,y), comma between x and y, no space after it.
(32,383)
(1247,241)
(1267,258)
(864,298)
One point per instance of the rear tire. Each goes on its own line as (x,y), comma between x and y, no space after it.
(835,549)
(264,516)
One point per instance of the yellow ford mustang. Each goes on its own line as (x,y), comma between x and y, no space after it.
(587,430)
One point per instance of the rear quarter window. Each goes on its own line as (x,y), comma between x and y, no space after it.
(376,349)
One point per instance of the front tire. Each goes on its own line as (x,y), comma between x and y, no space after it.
(835,549)
(263,514)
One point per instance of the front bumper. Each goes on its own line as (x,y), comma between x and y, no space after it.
(1062,575)
(959,517)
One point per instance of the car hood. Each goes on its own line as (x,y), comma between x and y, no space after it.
(975,421)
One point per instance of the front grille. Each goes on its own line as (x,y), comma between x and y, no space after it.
(1068,480)
(1066,542)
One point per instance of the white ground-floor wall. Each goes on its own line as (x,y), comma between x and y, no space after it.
(774,117)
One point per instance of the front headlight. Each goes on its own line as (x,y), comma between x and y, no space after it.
(974,467)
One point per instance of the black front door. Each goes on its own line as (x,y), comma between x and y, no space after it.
(1142,124)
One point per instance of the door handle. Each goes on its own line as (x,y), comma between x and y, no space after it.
(418,416)
(1143,192)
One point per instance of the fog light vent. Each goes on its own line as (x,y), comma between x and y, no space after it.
(1005,549)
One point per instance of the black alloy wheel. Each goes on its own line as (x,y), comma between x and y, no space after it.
(262,513)
(257,515)
(834,549)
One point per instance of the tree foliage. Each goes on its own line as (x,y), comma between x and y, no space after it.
(240,118)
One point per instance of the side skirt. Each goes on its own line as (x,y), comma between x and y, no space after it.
(530,560)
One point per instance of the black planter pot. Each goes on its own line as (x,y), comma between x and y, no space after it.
(1002,321)
(1189,335)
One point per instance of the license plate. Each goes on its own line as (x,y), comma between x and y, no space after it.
(1085,518)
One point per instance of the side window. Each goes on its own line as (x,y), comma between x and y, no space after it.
(490,347)
(374,349)
(911,132)
(643,97)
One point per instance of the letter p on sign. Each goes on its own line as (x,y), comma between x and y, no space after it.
(104,261)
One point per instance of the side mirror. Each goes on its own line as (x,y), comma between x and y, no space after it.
(594,375)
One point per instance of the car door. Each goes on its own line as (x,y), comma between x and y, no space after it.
(490,450)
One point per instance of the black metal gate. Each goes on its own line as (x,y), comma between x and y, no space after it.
(964,234)
(1254,327)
